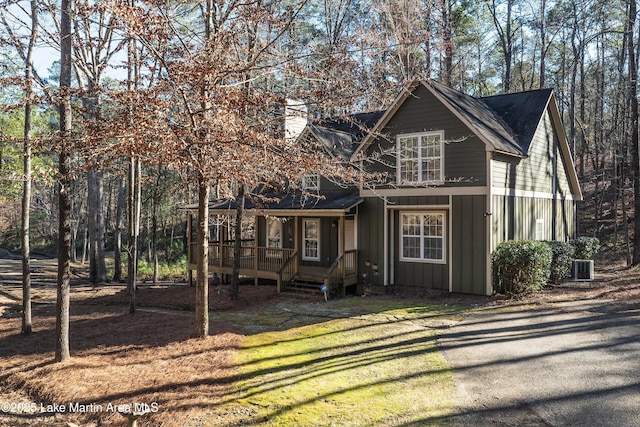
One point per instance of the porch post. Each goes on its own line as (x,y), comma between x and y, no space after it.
(296,244)
(189,238)
(341,263)
(340,235)
(256,250)
(220,234)
(222,231)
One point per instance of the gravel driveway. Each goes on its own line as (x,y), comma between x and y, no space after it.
(569,364)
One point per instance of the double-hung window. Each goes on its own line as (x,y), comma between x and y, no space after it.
(421,158)
(422,236)
(311,239)
(311,181)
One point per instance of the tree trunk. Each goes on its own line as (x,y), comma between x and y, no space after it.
(64,194)
(154,240)
(237,244)
(117,233)
(543,43)
(134,230)
(633,99)
(96,224)
(202,273)
(154,223)
(26,189)
(447,39)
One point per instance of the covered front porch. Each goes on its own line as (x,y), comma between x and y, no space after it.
(312,247)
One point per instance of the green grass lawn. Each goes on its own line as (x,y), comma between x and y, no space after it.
(376,369)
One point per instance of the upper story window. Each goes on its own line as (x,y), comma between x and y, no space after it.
(311,181)
(421,158)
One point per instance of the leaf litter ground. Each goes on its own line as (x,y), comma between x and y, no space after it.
(268,361)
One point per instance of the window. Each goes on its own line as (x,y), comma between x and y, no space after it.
(539,229)
(422,236)
(274,237)
(311,182)
(311,239)
(420,158)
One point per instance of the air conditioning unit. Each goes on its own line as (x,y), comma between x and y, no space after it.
(583,269)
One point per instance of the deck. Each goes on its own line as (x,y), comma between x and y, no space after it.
(281,265)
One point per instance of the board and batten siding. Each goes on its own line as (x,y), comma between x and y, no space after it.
(526,197)
(464,153)
(514,218)
(328,241)
(536,171)
(371,239)
(469,244)
(417,276)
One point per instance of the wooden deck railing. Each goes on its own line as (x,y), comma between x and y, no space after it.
(251,257)
(343,267)
(276,263)
(287,270)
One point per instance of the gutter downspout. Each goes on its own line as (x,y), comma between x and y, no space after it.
(489,223)
(385,245)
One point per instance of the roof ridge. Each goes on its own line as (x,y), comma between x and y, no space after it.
(542,89)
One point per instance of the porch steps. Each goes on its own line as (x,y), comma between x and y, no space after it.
(305,290)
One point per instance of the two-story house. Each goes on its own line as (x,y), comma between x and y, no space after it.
(465,174)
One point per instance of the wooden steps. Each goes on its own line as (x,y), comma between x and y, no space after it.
(302,287)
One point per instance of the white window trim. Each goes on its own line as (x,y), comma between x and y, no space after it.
(304,239)
(420,135)
(311,177)
(444,238)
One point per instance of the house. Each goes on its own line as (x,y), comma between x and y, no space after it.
(465,174)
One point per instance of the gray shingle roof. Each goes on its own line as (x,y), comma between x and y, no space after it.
(521,112)
(336,200)
(508,121)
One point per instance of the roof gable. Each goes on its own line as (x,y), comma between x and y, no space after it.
(505,123)
(479,118)
(522,112)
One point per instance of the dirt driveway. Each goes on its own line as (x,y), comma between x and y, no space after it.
(572,363)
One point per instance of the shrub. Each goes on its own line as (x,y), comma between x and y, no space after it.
(585,247)
(521,266)
(562,253)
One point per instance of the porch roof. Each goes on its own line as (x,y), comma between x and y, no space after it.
(324,203)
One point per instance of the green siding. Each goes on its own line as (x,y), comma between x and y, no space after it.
(371,237)
(328,185)
(419,200)
(514,218)
(417,276)
(535,173)
(469,244)
(328,241)
(464,153)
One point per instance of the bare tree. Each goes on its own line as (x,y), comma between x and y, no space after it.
(633,103)
(506,29)
(64,195)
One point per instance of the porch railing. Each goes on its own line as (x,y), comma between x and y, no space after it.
(288,270)
(345,265)
(251,257)
(277,263)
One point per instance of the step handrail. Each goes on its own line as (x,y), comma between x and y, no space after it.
(286,262)
(329,271)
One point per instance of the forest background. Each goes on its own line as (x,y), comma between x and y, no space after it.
(147,86)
